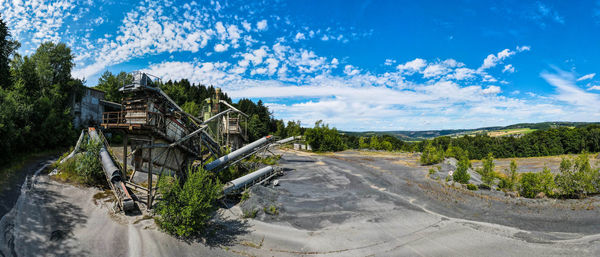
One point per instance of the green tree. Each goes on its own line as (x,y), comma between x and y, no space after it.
(293,129)
(192,108)
(487,172)
(110,84)
(7,48)
(256,128)
(512,175)
(431,155)
(461,174)
(321,138)
(186,209)
(362,143)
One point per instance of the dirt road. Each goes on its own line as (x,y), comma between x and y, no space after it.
(344,204)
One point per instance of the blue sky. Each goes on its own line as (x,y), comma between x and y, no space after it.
(357,65)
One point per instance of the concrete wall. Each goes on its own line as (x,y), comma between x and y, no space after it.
(88,111)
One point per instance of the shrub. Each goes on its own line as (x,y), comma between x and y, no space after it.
(84,168)
(577,178)
(185,210)
(431,155)
(534,183)
(471,187)
(432,171)
(461,175)
(272,210)
(245,195)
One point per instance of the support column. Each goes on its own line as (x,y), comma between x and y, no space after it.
(150,173)
(125,141)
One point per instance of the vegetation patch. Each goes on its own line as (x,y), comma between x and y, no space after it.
(83,168)
(187,207)
(271,210)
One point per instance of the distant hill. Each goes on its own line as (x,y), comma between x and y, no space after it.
(520,128)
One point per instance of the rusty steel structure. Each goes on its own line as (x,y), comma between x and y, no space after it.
(160,138)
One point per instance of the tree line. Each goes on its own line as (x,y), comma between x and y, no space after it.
(36,93)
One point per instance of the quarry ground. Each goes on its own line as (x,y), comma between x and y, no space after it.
(344,204)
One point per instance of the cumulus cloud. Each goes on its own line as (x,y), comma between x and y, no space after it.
(412,66)
(299,36)
(221,47)
(261,25)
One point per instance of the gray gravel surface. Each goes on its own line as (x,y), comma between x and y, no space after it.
(343,204)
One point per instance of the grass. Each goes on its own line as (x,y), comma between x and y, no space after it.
(249,214)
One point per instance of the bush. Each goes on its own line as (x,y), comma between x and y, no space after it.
(431,155)
(534,183)
(577,178)
(471,187)
(185,210)
(84,168)
(461,175)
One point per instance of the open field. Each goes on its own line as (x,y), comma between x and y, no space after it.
(507,132)
(342,204)
(536,164)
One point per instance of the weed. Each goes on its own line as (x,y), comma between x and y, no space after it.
(249,214)
(271,210)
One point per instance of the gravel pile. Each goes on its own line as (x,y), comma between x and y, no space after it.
(448,166)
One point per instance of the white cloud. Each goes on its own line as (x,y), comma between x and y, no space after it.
(588,76)
(492,60)
(41,19)
(508,68)
(523,48)
(351,70)
(568,91)
(221,47)
(412,66)
(261,25)
(247,26)
(389,62)
(491,90)
(299,36)
(594,88)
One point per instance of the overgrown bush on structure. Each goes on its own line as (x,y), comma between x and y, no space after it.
(84,168)
(471,187)
(186,209)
